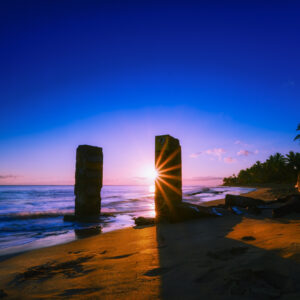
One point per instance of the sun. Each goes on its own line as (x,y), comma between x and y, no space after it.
(151,174)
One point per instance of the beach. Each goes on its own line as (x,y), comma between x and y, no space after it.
(229,257)
(32,217)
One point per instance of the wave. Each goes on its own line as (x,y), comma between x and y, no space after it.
(34,215)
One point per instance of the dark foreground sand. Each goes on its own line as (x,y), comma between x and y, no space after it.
(230,257)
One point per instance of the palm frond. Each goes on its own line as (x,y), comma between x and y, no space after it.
(297,137)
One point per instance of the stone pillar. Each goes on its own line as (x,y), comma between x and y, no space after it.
(168,185)
(298,181)
(88,181)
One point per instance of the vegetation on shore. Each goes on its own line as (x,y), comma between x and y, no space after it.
(276,169)
(297,137)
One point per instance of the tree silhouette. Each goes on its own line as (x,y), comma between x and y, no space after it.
(297,137)
(276,169)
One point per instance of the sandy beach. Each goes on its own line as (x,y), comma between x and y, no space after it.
(229,257)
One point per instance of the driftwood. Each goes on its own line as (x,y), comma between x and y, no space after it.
(291,205)
(288,204)
(242,201)
(187,211)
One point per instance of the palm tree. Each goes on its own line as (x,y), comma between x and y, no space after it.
(293,160)
(297,137)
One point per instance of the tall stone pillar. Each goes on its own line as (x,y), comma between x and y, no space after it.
(168,184)
(88,181)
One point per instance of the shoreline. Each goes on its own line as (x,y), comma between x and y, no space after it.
(212,255)
(64,238)
(28,248)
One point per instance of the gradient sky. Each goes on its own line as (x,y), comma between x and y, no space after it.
(222,76)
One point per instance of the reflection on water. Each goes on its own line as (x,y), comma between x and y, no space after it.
(151,188)
(32,216)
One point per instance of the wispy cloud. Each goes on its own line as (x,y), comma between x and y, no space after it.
(242,144)
(205,178)
(216,152)
(6,176)
(139,178)
(195,155)
(246,152)
(229,160)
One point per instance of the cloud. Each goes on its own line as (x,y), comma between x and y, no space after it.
(195,155)
(229,160)
(244,152)
(8,176)
(139,178)
(205,178)
(242,144)
(216,152)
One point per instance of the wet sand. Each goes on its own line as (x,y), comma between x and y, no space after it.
(230,257)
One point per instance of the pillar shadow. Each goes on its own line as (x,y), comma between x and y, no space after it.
(202,259)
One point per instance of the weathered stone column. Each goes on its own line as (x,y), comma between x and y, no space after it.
(168,185)
(88,181)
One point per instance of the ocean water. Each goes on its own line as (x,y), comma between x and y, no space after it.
(32,216)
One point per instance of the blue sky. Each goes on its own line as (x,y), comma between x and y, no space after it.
(222,77)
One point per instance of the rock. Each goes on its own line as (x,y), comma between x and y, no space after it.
(252,209)
(69,218)
(266,292)
(242,201)
(3,294)
(141,221)
(86,232)
(291,205)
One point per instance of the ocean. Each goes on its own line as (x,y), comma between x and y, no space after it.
(32,216)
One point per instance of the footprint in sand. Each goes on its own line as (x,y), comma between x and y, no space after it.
(74,292)
(120,256)
(70,269)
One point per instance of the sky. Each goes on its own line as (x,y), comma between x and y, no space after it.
(221,76)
